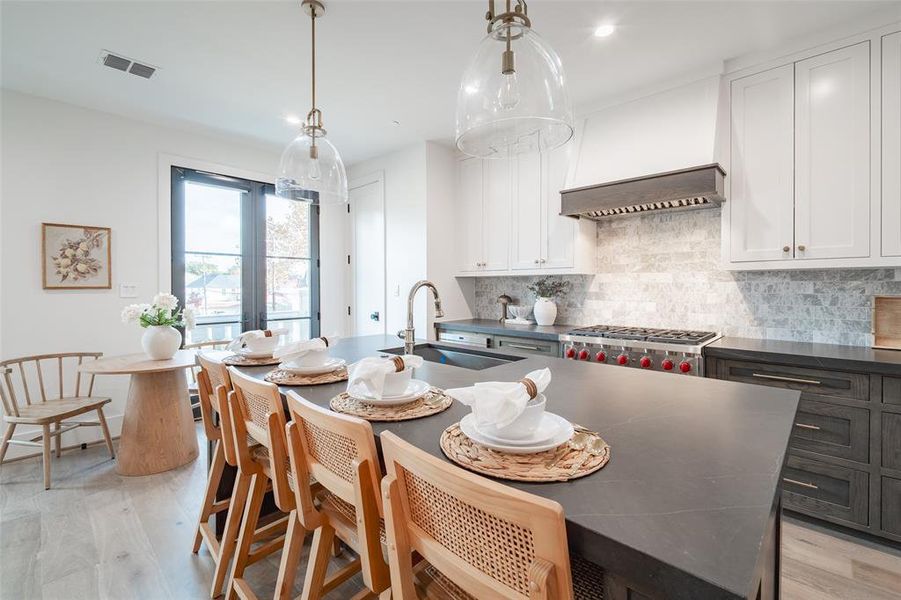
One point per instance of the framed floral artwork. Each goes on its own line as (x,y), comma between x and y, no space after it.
(76,257)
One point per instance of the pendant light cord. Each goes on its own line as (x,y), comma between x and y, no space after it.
(313,52)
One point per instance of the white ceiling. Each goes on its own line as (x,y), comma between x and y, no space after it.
(238,67)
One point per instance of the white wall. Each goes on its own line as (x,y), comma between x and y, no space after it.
(66,164)
(405,229)
(419,232)
(457,294)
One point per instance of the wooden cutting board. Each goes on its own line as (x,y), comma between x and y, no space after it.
(887,322)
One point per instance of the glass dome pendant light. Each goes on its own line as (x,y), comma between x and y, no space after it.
(520,104)
(311,169)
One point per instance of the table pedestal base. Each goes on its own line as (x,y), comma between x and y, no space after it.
(158,431)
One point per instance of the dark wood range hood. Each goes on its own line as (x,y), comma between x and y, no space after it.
(692,188)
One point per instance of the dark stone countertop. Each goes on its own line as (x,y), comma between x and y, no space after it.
(495,327)
(805,354)
(683,504)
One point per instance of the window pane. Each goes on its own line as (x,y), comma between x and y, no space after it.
(287,288)
(298,329)
(213,287)
(221,331)
(212,219)
(287,228)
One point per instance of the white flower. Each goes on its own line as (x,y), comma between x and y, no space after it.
(133,312)
(165,301)
(189,317)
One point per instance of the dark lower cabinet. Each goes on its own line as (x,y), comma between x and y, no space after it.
(891,505)
(818,488)
(844,463)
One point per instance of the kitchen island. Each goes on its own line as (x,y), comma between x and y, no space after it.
(689,504)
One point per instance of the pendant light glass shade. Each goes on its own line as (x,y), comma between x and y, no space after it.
(311,169)
(513,102)
(311,174)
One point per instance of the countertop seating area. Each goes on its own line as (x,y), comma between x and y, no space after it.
(28,401)
(427,530)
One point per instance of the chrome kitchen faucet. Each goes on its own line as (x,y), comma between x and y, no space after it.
(407,335)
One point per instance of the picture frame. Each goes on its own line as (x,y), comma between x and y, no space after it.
(76,257)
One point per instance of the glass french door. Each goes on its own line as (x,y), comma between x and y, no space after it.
(243,257)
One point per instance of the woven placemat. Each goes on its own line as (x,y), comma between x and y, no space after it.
(433,402)
(236,360)
(281,377)
(563,463)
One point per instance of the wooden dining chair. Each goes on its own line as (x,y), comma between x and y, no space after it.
(339,452)
(214,385)
(191,374)
(477,538)
(24,378)
(258,429)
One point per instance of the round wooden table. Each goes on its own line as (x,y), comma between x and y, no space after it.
(158,426)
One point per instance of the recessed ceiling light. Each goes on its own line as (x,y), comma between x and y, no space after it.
(293,119)
(604,30)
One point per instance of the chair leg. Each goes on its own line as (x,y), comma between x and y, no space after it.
(248,529)
(287,570)
(58,438)
(230,532)
(106,436)
(209,498)
(317,563)
(46,441)
(10,428)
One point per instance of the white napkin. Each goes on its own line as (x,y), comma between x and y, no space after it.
(371,371)
(499,403)
(298,350)
(238,342)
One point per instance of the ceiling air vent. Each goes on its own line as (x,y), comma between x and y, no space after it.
(126,65)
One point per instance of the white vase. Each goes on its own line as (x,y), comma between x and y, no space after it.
(161,342)
(545,311)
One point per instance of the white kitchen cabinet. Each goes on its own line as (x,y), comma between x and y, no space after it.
(891,145)
(802,164)
(469,215)
(509,219)
(560,235)
(496,214)
(762,175)
(526,215)
(832,154)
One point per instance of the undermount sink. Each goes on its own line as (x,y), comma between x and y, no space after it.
(474,360)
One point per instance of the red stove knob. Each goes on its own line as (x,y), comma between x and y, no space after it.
(584,354)
(570,352)
(601,356)
(645,362)
(667,364)
(622,359)
(685,366)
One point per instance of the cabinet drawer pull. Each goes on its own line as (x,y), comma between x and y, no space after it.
(806,426)
(801,483)
(519,347)
(789,379)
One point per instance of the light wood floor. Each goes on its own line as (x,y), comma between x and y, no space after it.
(99,535)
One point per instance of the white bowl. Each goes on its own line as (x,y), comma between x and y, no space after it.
(524,425)
(313,358)
(262,344)
(520,312)
(396,383)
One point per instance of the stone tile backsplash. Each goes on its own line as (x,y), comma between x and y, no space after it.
(663,270)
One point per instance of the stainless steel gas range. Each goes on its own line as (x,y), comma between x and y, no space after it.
(669,350)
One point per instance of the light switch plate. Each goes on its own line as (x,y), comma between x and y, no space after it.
(128,290)
(396,291)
